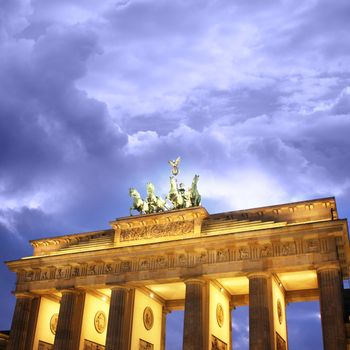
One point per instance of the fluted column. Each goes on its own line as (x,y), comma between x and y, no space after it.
(259,312)
(33,318)
(333,328)
(194,318)
(165,311)
(22,328)
(69,320)
(120,319)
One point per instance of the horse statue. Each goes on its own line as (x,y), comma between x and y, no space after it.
(155,203)
(174,195)
(186,196)
(195,196)
(138,203)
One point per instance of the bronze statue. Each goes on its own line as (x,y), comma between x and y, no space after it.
(175,165)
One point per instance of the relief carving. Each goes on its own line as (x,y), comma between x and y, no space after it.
(100,321)
(312,245)
(279,311)
(266,251)
(90,345)
(125,266)
(44,275)
(44,346)
(287,248)
(182,260)
(217,344)
(148,318)
(108,268)
(179,260)
(202,258)
(53,323)
(243,253)
(144,264)
(161,262)
(59,273)
(155,231)
(219,315)
(91,270)
(145,345)
(280,343)
(75,271)
(222,255)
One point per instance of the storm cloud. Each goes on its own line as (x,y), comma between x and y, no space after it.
(96,97)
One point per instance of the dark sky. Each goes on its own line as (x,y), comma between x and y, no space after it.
(96,96)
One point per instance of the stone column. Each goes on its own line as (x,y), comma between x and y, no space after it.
(69,320)
(165,311)
(195,318)
(33,318)
(120,319)
(22,328)
(260,335)
(331,304)
(230,318)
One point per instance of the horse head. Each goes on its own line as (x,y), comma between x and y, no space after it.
(134,193)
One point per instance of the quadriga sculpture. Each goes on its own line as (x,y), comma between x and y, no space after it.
(138,203)
(178,195)
(195,196)
(174,194)
(155,203)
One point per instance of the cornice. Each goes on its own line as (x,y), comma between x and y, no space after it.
(280,233)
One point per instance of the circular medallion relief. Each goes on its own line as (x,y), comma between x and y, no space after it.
(100,321)
(219,315)
(279,311)
(148,318)
(53,323)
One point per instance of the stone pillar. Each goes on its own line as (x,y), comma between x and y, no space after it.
(260,334)
(120,319)
(69,320)
(331,304)
(162,341)
(33,318)
(23,322)
(195,334)
(230,318)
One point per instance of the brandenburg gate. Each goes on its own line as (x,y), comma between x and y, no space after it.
(112,289)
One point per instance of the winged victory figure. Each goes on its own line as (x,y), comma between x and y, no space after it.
(175,165)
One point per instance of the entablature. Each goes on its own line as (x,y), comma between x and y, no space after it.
(290,247)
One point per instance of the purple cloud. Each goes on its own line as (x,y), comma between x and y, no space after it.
(95,98)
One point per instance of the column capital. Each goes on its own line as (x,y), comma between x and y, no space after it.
(258,274)
(25,295)
(195,280)
(328,267)
(119,287)
(70,291)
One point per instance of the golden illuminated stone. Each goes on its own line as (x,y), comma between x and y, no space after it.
(148,318)
(100,321)
(219,314)
(53,323)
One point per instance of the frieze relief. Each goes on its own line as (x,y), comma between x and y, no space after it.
(155,231)
(184,259)
(222,255)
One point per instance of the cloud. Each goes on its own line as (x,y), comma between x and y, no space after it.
(97,97)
